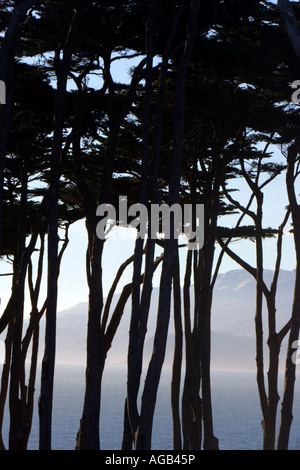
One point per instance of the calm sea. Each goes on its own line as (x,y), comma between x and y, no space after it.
(237,414)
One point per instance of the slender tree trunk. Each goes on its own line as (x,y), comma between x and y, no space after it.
(177,360)
(186,433)
(290,372)
(27,391)
(5,376)
(15,405)
(14,304)
(191,401)
(88,437)
(159,348)
(266,423)
(202,323)
(203,335)
(141,307)
(163,316)
(48,364)
(274,343)
(139,316)
(290,368)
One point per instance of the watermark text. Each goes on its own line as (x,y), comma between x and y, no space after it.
(161,220)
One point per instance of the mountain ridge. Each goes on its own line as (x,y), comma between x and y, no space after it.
(233,312)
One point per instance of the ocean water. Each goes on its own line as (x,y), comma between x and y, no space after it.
(236,410)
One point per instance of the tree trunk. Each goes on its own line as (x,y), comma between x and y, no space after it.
(139,313)
(15,305)
(149,190)
(202,323)
(266,423)
(290,368)
(290,371)
(88,437)
(16,441)
(163,316)
(48,364)
(177,360)
(274,342)
(191,401)
(5,376)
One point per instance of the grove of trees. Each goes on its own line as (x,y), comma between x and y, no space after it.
(207,100)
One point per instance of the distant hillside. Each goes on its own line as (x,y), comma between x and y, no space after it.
(233,337)
(233,308)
